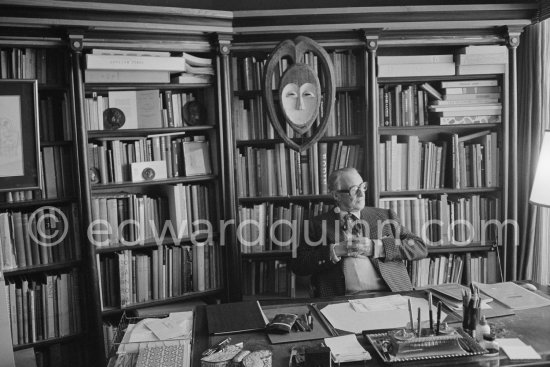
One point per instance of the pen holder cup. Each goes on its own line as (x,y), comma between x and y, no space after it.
(470,319)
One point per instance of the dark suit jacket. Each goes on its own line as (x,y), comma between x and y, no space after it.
(328,278)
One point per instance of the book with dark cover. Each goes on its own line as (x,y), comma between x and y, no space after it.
(234,318)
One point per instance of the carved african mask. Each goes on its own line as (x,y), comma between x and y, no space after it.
(300,92)
(300,97)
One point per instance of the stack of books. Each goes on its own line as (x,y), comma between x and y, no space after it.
(415,65)
(468,102)
(481,60)
(197,70)
(127,66)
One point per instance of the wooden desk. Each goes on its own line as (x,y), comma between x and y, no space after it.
(531,326)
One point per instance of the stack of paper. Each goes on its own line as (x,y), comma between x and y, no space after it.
(516,349)
(346,348)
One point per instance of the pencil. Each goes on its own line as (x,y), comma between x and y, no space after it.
(418,327)
(411,314)
(430,300)
(438,317)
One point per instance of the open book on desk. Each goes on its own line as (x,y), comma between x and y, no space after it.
(451,296)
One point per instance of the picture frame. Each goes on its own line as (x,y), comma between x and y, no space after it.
(19,135)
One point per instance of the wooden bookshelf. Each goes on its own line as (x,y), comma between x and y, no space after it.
(107,134)
(164,181)
(46,268)
(48,342)
(37,203)
(152,244)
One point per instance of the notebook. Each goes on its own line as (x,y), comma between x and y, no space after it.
(234,318)
(514,296)
(346,348)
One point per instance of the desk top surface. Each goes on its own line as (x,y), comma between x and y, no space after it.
(532,326)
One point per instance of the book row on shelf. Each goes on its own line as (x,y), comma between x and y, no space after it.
(32,238)
(469,60)
(271,227)
(267,278)
(57,170)
(248,71)
(464,161)
(55,109)
(128,66)
(280,171)
(252,122)
(143,109)
(44,307)
(453,103)
(447,220)
(45,65)
(137,218)
(448,268)
(180,156)
(129,277)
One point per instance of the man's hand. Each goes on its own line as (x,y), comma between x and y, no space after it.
(355,246)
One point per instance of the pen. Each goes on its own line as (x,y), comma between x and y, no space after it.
(418,327)
(438,317)
(411,314)
(216,347)
(430,300)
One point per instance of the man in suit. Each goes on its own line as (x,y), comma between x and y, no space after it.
(355,248)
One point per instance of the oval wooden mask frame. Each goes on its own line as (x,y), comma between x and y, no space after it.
(295,50)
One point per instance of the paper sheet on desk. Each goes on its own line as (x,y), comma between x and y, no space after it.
(342,316)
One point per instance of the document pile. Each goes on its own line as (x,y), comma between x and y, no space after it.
(346,348)
(159,342)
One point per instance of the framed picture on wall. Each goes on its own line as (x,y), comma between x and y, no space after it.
(19,135)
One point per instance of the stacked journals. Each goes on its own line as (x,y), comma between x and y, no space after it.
(408,164)
(25,237)
(141,108)
(279,171)
(458,220)
(269,227)
(248,71)
(53,110)
(469,102)
(126,66)
(137,218)
(57,172)
(403,105)
(482,60)
(198,70)
(266,277)
(129,277)
(475,160)
(437,270)
(415,65)
(253,123)
(44,308)
(183,156)
(45,64)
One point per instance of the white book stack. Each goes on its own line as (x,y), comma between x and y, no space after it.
(492,59)
(128,66)
(415,65)
(198,70)
(469,102)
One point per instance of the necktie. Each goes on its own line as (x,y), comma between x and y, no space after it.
(351,226)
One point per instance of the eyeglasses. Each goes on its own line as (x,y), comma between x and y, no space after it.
(352,191)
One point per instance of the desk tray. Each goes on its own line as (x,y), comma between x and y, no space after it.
(455,345)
